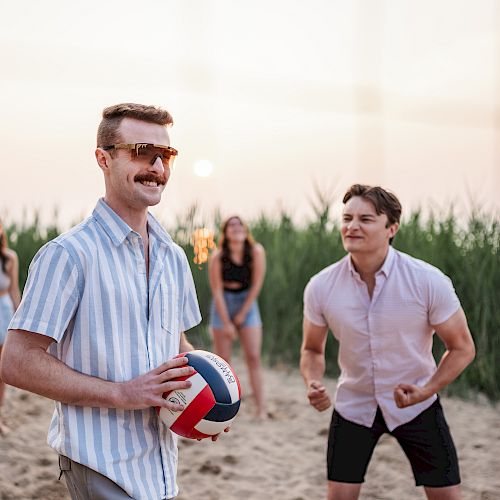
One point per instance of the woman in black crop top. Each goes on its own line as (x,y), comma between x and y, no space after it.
(236,273)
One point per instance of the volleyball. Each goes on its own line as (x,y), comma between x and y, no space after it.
(212,401)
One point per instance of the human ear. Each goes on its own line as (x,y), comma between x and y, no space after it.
(393,229)
(102,158)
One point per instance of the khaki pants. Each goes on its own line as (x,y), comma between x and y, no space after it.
(86,484)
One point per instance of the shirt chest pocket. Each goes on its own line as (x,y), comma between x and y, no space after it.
(170,307)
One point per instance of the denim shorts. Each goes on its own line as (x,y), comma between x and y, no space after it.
(6,313)
(234,300)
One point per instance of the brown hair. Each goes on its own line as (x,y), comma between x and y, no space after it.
(224,245)
(112,116)
(4,257)
(383,201)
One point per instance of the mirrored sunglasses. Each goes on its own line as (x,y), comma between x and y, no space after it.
(148,152)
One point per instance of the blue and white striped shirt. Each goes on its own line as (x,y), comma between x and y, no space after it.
(88,290)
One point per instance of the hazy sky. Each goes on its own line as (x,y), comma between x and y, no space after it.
(278,95)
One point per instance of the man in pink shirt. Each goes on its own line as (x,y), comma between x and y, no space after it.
(383,307)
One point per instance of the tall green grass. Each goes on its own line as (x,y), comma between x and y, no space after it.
(26,238)
(467,252)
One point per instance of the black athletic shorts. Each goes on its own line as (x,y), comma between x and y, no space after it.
(425,440)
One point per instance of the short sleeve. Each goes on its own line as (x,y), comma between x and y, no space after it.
(51,295)
(190,314)
(443,301)
(312,307)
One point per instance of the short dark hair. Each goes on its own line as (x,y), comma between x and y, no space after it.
(383,201)
(112,116)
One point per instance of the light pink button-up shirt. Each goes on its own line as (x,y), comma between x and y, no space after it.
(385,340)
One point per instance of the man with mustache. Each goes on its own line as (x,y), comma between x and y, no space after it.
(103,315)
(383,308)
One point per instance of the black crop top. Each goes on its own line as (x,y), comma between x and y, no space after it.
(233,272)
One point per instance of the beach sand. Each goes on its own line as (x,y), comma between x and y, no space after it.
(282,458)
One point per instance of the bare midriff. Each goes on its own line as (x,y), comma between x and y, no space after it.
(232,285)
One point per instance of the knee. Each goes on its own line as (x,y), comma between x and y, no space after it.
(253,360)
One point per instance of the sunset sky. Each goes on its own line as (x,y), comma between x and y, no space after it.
(279,96)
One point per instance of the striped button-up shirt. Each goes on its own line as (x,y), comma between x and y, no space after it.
(88,290)
(385,340)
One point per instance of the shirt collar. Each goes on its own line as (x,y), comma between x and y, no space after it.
(156,229)
(350,266)
(388,262)
(386,266)
(118,230)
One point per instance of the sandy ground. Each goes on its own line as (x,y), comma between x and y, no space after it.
(282,458)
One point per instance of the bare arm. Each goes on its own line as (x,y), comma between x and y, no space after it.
(312,364)
(27,364)
(184,344)
(217,287)
(13,272)
(258,273)
(460,351)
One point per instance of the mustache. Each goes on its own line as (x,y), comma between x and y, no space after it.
(159,179)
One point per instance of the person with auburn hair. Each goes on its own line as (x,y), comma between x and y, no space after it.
(102,318)
(383,307)
(236,272)
(10,297)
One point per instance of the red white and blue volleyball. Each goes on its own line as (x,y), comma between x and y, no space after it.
(212,401)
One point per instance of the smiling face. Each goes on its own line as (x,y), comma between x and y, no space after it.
(363,230)
(235,230)
(133,183)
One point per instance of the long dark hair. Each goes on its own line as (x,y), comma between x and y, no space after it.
(3,248)
(224,244)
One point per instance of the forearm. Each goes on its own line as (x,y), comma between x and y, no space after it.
(16,298)
(257,280)
(312,365)
(14,292)
(185,345)
(249,300)
(37,371)
(220,306)
(451,365)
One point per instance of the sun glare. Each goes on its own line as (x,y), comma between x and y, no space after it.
(203,168)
